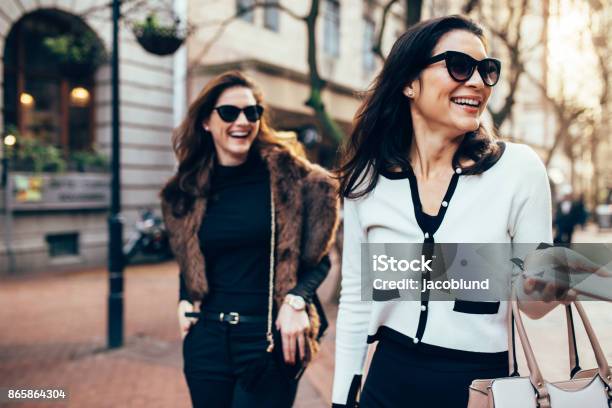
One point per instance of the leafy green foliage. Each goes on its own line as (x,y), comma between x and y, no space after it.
(88,160)
(81,49)
(35,155)
(152,27)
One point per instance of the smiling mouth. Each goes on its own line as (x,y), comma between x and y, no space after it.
(468,102)
(239,135)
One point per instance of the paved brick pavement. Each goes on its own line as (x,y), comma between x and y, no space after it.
(592,234)
(53,335)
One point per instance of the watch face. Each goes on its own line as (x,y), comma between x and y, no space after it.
(296,302)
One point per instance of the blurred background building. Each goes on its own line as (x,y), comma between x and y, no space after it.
(56,97)
(555,90)
(271,45)
(554,95)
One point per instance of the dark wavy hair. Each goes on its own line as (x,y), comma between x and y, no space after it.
(194,147)
(382,128)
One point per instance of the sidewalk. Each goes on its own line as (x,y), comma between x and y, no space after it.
(592,234)
(54,335)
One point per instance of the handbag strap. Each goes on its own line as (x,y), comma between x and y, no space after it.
(600,357)
(512,363)
(571,332)
(535,375)
(269,335)
(571,340)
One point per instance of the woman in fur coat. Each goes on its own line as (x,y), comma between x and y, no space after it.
(250,225)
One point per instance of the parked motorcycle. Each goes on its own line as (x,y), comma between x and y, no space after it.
(149,238)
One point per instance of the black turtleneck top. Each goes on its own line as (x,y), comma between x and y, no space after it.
(235,241)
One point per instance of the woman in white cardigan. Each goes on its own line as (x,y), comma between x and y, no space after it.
(420,167)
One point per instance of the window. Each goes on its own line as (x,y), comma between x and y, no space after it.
(368,56)
(331,43)
(241,5)
(271,16)
(43,98)
(63,244)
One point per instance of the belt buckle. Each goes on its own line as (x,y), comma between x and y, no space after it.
(235,318)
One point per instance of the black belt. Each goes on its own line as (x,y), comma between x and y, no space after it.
(231,317)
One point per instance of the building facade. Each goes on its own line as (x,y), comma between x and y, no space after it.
(59,218)
(271,45)
(60,114)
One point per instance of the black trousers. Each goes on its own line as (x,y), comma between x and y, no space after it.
(564,236)
(408,378)
(216,353)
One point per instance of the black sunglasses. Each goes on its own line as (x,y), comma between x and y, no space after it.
(461,66)
(229,113)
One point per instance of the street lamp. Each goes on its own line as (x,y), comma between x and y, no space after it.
(115,222)
(6,145)
(8,142)
(116,257)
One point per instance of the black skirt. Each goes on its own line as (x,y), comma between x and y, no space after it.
(405,377)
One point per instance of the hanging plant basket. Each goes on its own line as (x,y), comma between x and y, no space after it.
(159,44)
(158,39)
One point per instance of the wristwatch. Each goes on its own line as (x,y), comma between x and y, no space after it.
(295,301)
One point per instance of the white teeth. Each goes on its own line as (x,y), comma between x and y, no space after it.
(466,101)
(239,134)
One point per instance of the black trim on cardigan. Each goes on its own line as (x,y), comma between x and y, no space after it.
(403,174)
(488,359)
(351,399)
(429,224)
(421,217)
(473,307)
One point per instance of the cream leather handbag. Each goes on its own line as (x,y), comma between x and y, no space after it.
(586,388)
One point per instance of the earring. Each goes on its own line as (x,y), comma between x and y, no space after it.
(206,128)
(410,93)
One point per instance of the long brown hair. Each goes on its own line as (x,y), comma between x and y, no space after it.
(194,146)
(383,130)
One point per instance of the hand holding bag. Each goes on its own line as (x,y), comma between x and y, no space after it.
(586,388)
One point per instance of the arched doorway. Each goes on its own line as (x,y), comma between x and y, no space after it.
(50,59)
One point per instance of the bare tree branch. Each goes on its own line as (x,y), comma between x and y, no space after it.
(599,41)
(530,49)
(510,18)
(258,4)
(377,48)
(600,129)
(134,5)
(317,84)
(311,23)
(278,5)
(223,24)
(95,9)
(565,112)
(413,12)
(470,6)
(510,36)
